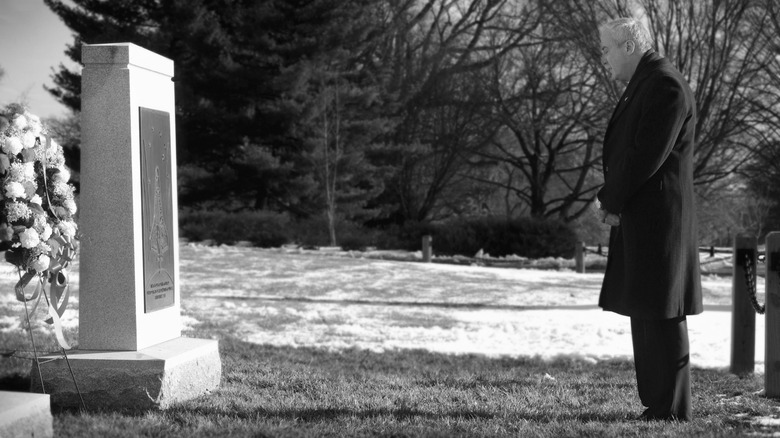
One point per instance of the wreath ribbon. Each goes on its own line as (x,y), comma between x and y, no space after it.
(24,280)
(54,318)
(59,293)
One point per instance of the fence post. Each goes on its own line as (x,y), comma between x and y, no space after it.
(426,248)
(743,316)
(772,358)
(579,257)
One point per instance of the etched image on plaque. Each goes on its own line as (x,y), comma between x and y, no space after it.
(156,209)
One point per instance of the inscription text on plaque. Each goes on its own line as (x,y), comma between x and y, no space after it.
(156,209)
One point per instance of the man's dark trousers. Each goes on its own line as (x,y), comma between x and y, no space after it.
(662,357)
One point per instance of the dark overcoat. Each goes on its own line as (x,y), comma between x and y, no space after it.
(653,264)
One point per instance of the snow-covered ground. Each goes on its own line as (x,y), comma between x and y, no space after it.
(341,300)
(294,298)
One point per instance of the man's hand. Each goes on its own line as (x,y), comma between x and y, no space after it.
(611,219)
(606,217)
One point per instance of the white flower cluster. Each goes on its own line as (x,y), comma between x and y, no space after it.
(37,204)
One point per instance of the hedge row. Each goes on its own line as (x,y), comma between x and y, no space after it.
(527,237)
(263,229)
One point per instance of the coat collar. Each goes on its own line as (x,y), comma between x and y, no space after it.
(650,60)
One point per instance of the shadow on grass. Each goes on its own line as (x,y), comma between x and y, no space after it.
(314,415)
(15,382)
(268,383)
(287,391)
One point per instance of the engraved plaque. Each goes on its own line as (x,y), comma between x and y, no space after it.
(157,209)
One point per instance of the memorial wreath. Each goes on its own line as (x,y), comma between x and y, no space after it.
(38,231)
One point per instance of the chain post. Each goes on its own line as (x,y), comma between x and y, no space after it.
(772,358)
(749,262)
(743,316)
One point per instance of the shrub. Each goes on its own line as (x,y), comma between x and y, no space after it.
(527,237)
(261,228)
(357,240)
(311,232)
(536,238)
(314,232)
(407,237)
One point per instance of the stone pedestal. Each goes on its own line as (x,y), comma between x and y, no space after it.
(25,415)
(118,81)
(130,354)
(152,378)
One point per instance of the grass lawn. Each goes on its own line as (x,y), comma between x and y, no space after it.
(284,391)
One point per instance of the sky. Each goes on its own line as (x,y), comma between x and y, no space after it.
(32,43)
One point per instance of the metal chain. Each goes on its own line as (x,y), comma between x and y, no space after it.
(750,279)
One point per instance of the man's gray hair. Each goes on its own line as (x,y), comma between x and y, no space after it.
(624,29)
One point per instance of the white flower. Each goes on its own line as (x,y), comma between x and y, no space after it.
(16,211)
(46,232)
(12,146)
(41,263)
(62,189)
(22,172)
(53,147)
(29,238)
(28,139)
(54,155)
(67,228)
(14,190)
(70,205)
(26,143)
(39,222)
(34,123)
(29,188)
(43,248)
(63,174)
(20,122)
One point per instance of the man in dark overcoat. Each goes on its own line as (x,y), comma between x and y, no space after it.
(652,272)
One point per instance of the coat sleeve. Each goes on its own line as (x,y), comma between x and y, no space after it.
(662,113)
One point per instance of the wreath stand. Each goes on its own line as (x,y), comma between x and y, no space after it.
(56,302)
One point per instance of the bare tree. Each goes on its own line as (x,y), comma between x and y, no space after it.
(762,175)
(330,151)
(732,212)
(577,21)
(435,51)
(339,126)
(717,45)
(553,113)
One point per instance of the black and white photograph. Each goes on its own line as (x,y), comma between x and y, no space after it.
(389,218)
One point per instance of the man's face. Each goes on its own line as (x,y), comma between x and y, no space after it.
(616,58)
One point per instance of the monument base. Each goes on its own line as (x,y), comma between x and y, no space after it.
(152,378)
(25,415)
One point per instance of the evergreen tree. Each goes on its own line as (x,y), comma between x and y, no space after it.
(242,85)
